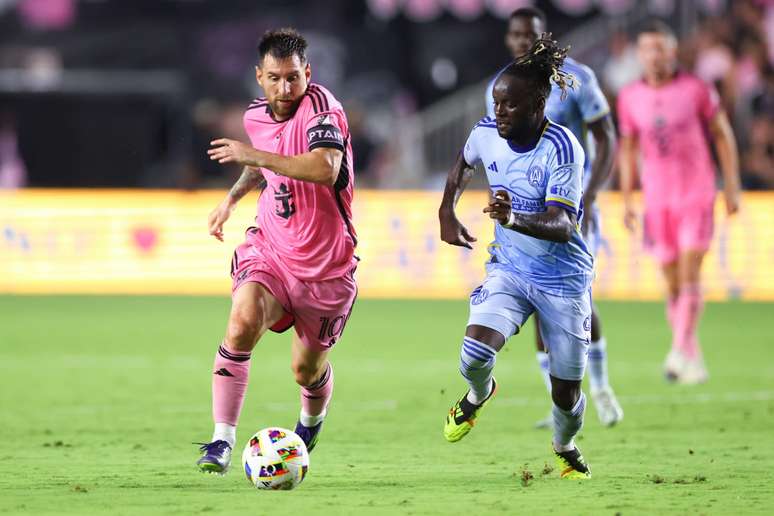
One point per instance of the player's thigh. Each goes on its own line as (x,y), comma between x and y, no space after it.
(253,311)
(500,303)
(322,310)
(689,266)
(670,271)
(696,226)
(565,323)
(660,233)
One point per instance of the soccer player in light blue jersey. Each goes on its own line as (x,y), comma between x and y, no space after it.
(539,261)
(583,109)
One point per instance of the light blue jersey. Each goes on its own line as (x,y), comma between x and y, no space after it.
(583,105)
(547,173)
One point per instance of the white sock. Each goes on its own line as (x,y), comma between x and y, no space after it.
(598,364)
(545,370)
(310,421)
(224,432)
(475,400)
(564,447)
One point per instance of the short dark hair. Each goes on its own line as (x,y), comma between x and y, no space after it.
(542,64)
(529,12)
(657,26)
(282,43)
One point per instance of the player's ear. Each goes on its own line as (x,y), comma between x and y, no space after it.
(258,74)
(308,72)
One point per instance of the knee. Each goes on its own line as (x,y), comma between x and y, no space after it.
(304,374)
(565,393)
(242,332)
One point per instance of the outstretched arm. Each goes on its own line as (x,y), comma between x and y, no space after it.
(452,230)
(725,144)
(320,165)
(605,141)
(250,179)
(627,167)
(555,224)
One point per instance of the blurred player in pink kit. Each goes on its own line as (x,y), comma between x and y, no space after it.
(296,268)
(665,119)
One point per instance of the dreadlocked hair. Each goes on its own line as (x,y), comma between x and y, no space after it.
(543,64)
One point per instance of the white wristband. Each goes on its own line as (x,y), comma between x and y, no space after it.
(511,221)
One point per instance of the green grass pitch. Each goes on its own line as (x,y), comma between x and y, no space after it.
(101,398)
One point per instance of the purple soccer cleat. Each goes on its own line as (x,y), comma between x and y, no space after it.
(216,457)
(310,435)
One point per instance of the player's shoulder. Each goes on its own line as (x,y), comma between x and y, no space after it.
(693,81)
(582,72)
(321,100)
(487,122)
(566,146)
(258,109)
(632,88)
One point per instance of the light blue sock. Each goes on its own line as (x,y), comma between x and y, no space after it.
(598,364)
(567,424)
(477,361)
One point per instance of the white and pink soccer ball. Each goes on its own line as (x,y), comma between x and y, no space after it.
(275,458)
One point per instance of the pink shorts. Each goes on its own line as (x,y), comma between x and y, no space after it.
(318,309)
(670,231)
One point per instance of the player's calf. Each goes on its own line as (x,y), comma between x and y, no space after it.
(477,360)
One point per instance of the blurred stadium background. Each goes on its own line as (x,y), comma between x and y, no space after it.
(104,94)
(106,110)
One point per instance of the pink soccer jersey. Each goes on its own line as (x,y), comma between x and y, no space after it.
(308,227)
(670,124)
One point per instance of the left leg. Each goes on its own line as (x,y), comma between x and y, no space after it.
(566,328)
(609,411)
(694,238)
(688,311)
(314,374)
(322,310)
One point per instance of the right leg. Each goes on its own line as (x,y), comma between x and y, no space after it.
(674,361)
(253,311)
(498,309)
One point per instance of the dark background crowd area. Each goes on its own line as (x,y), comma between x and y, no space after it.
(110,93)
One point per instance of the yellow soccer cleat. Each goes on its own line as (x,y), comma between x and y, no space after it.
(572,465)
(462,416)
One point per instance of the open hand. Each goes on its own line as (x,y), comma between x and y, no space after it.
(453,232)
(218,217)
(630,218)
(225,150)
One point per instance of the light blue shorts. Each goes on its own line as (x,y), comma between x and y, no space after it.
(504,302)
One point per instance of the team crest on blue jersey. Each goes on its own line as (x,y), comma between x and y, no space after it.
(536,176)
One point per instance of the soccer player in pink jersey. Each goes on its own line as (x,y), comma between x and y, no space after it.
(296,268)
(665,119)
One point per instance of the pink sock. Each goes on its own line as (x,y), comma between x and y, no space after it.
(229,384)
(315,397)
(687,312)
(671,313)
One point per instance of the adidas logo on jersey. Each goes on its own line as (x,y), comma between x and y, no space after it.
(493,166)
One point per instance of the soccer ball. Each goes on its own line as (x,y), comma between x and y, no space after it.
(275,458)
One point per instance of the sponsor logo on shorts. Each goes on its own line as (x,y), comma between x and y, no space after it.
(479,297)
(587,323)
